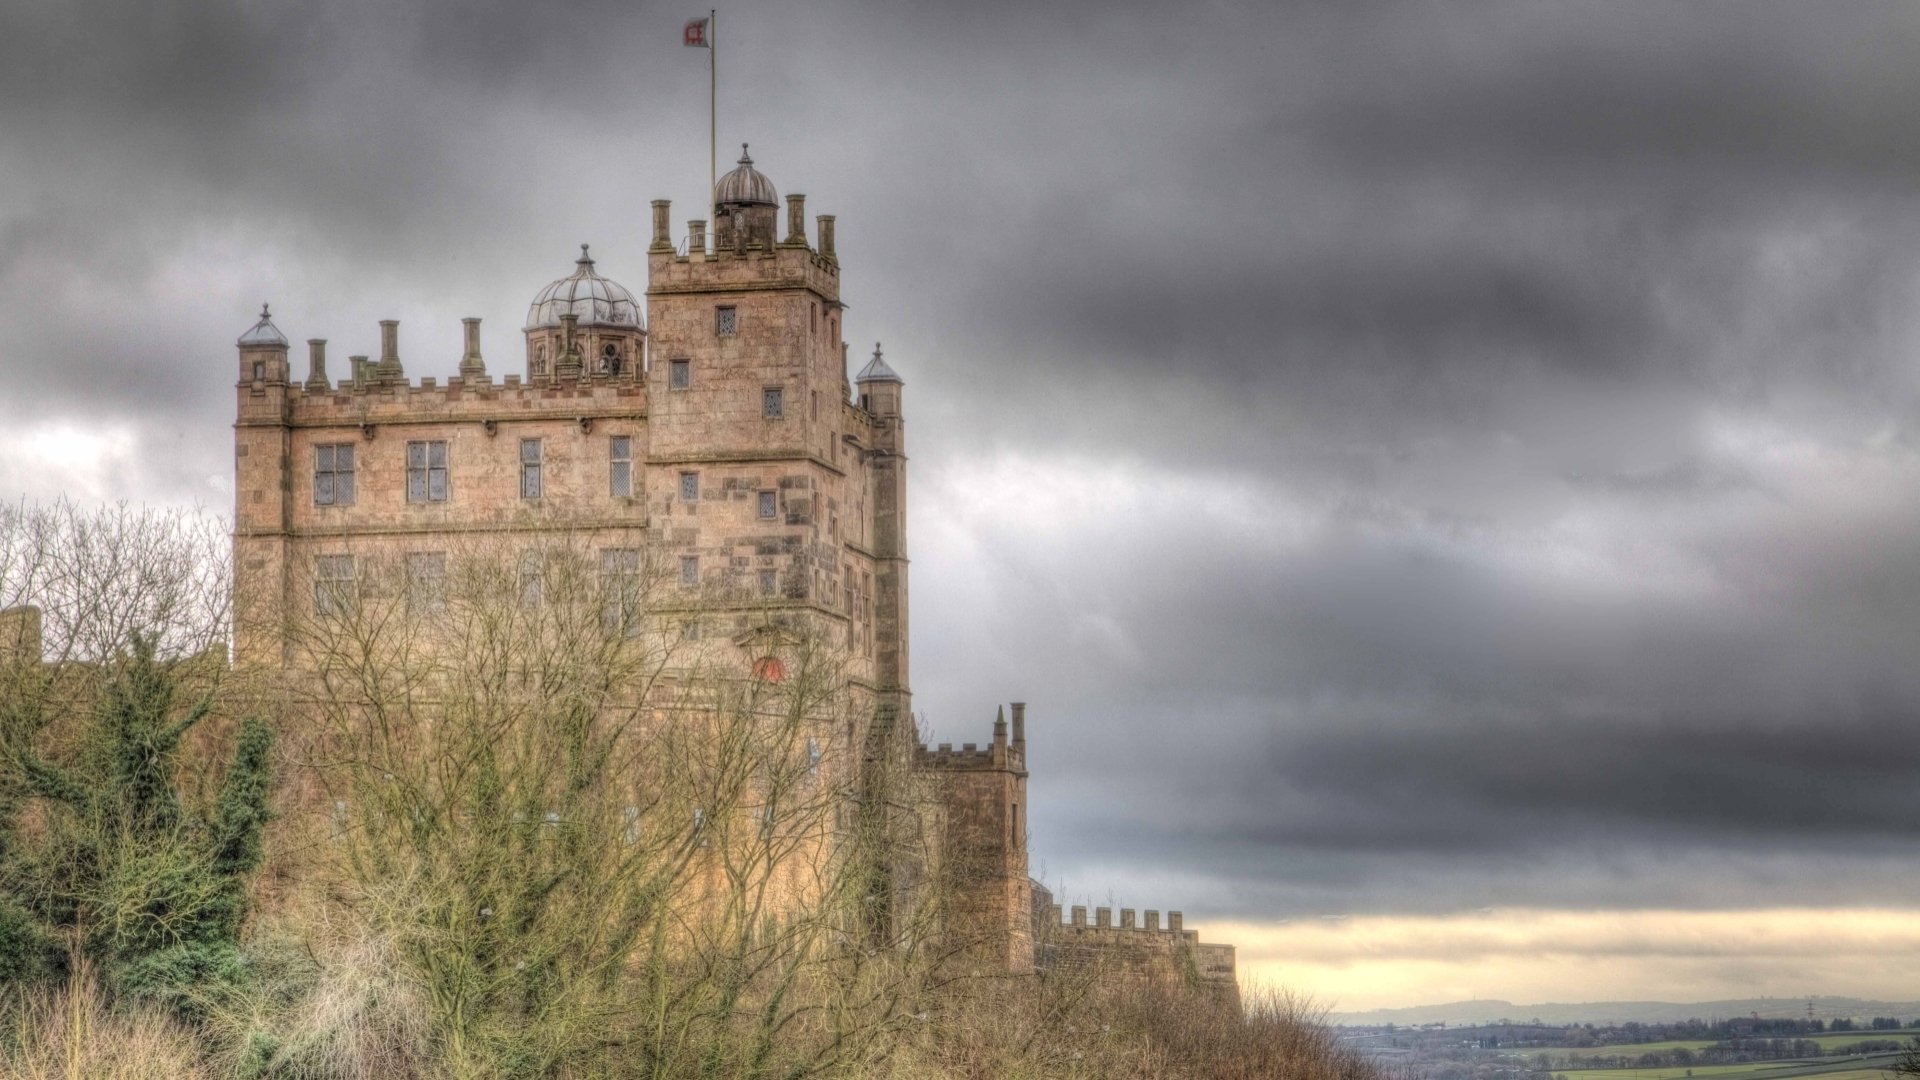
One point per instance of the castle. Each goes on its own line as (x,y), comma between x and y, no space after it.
(718,425)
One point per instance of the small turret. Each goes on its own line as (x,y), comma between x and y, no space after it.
(744,208)
(263,353)
(879,386)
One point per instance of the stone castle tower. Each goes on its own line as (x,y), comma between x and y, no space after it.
(718,426)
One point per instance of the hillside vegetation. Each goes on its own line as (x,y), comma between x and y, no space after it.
(522,857)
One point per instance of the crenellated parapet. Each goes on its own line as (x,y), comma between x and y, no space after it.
(1007,752)
(1134,947)
(693,268)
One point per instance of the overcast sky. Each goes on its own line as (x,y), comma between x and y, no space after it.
(1415,458)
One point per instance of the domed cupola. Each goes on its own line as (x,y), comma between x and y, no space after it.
(597,300)
(745,186)
(744,207)
(584,325)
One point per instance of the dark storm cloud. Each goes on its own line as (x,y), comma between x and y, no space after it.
(1412,456)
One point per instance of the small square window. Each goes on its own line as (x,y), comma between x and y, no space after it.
(620,466)
(690,486)
(769,582)
(769,506)
(726,321)
(335,589)
(427,471)
(333,474)
(620,591)
(773,402)
(679,374)
(530,485)
(689,569)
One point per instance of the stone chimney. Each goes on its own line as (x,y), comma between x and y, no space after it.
(388,370)
(569,366)
(472,368)
(662,231)
(797,220)
(825,226)
(317,366)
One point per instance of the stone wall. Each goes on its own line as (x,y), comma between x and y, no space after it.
(983,794)
(1134,948)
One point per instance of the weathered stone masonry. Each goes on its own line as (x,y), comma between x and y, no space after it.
(719,426)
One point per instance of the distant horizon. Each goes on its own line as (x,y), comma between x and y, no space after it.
(1838,1006)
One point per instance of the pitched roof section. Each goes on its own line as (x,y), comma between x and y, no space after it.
(877,370)
(263,332)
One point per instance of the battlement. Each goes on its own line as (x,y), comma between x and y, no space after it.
(373,392)
(461,399)
(733,259)
(1007,751)
(1140,949)
(1103,922)
(694,268)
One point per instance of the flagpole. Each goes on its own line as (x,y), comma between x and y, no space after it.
(713,104)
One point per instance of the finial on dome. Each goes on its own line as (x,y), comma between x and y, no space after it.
(744,159)
(263,332)
(877,369)
(584,257)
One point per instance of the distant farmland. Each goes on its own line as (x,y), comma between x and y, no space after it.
(1828,1042)
(1867,1067)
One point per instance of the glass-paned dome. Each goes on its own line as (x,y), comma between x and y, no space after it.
(598,301)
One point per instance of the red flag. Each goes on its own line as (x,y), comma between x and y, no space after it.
(696,34)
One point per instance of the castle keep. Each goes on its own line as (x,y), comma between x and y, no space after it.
(714,424)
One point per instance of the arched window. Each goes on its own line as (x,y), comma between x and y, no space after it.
(610,359)
(540,358)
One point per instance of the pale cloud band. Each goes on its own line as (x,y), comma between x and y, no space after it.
(1532,955)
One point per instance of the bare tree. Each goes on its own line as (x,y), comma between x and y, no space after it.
(97,576)
(598,838)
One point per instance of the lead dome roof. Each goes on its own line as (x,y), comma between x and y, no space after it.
(263,332)
(745,186)
(597,300)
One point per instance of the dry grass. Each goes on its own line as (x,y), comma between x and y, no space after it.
(348,1019)
(69,1033)
(1090,1028)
